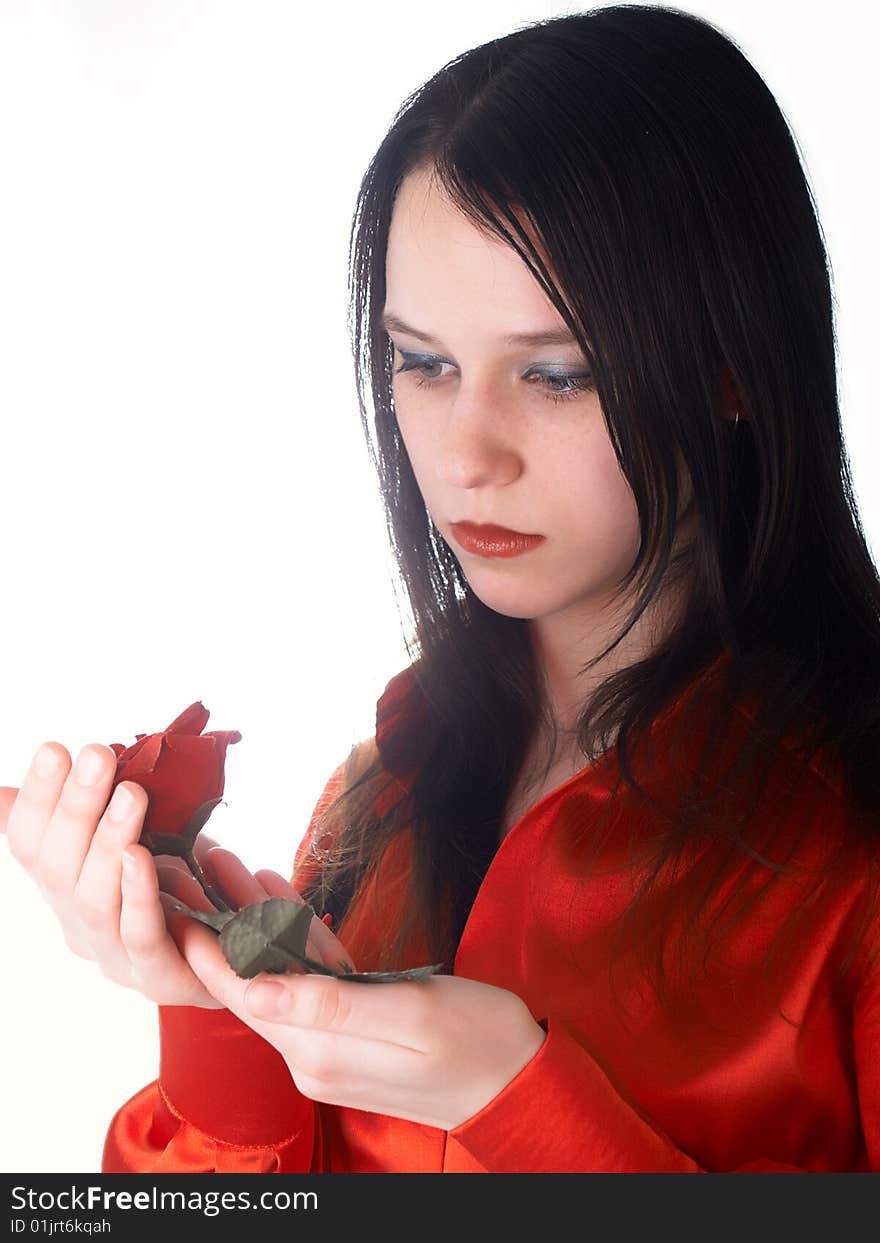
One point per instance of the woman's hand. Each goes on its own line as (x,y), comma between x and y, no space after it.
(61,830)
(432,1051)
(233,878)
(70,842)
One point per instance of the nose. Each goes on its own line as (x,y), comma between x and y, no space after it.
(478,446)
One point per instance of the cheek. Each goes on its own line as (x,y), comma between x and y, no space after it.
(597,501)
(598,522)
(417,440)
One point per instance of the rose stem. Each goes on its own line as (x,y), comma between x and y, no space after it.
(210,893)
(302,959)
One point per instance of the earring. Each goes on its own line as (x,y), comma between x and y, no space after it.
(736,420)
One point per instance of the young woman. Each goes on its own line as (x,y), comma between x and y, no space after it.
(626,792)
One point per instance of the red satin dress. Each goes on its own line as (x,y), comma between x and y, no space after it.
(746,1083)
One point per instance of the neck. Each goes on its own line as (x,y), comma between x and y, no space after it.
(567,641)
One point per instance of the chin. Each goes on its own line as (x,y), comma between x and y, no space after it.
(514,603)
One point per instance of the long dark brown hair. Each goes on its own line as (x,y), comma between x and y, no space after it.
(663,191)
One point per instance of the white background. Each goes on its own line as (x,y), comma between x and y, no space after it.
(187,509)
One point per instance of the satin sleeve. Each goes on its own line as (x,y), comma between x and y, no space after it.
(563,1114)
(224,1100)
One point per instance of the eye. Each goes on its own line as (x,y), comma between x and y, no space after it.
(418,364)
(572,383)
(557,386)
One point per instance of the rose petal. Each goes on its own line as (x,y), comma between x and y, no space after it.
(181,770)
(191,721)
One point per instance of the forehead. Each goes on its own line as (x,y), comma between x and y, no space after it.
(436,252)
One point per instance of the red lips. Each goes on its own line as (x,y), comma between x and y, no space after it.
(488,540)
(488,530)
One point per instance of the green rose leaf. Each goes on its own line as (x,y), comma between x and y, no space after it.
(265,936)
(214,919)
(271,936)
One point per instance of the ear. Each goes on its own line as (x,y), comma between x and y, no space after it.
(731,397)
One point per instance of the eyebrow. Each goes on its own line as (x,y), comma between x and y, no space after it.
(553,336)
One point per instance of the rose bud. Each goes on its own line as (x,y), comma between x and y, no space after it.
(182,771)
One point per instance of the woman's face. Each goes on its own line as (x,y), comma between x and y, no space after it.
(491,432)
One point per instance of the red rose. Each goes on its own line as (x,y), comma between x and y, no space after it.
(181,770)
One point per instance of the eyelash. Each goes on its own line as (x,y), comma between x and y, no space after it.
(580,383)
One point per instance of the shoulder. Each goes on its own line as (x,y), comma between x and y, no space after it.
(358,761)
(384,750)
(401,697)
(361,758)
(401,713)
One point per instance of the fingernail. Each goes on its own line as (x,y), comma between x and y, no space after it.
(266,1000)
(46,762)
(121,803)
(88,768)
(129,865)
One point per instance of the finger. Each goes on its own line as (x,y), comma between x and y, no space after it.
(155,960)
(276,886)
(245,889)
(8,795)
(322,944)
(172,863)
(98,891)
(317,1004)
(200,947)
(183,886)
(233,877)
(35,803)
(392,1013)
(206,959)
(377,1076)
(202,845)
(68,836)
